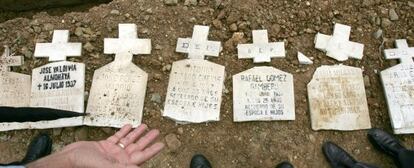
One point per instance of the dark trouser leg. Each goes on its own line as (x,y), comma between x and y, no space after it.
(363,165)
(406,158)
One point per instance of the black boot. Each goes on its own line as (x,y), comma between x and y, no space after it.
(39,147)
(199,161)
(284,165)
(385,142)
(336,156)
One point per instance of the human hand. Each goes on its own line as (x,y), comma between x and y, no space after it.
(124,149)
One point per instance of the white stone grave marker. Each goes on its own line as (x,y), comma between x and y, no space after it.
(15,87)
(337,99)
(262,93)
(61,84)
(398,82)
(118,89)
(338,45)
(57,85)
(195,86)
(261,50)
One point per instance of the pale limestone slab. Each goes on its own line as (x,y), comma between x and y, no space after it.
(303,59)
(199,46)
(338,45)
(337,99)
(117,96)
(264,94)
(398,83)
(15,87)
(261,50)
(59,85)
(118,89)
(194,91)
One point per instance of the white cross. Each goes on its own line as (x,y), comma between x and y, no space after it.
(198,46)
(127,45)
(60,48)
(402,52)
(261,50)
(338,45)
(7,60)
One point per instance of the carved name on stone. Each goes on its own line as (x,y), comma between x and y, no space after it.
(398,82)
(118,89)
(59,85)
(337,99)
(263,93)
(15,87)
(194,91)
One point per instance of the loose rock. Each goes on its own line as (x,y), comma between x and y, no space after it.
(172,142)
(385,22)
(170,2)
(377,34)
(156,97)
(190,2)
(393,15)
(89,47)
(115,12)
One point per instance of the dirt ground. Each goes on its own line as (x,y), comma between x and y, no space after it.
(226,144)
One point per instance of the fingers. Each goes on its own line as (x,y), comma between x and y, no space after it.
(139,157)
(120,134)
(133,136)
(143,142)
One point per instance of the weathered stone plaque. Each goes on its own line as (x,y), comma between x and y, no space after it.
(195,86)
(59,85)
(398,82)
(337,99)
(15,87)
(263,93)
(118,89)
(338,45)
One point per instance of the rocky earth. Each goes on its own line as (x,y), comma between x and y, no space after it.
(375,23)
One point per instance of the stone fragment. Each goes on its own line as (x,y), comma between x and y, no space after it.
(393,15)
(172,142)
(304,59)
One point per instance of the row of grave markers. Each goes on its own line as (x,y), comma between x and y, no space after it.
(336,93)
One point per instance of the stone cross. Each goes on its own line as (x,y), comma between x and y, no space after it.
(261,50)
(127,45)
(402,52)
(59,49)
(7,60)
(338,45)
(198,46)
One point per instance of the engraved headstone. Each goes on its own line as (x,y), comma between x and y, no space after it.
(338,45)
(118,88)
(60,84)
(398,82)
(15,87)
(195,86)
(337,99)
(262,93)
